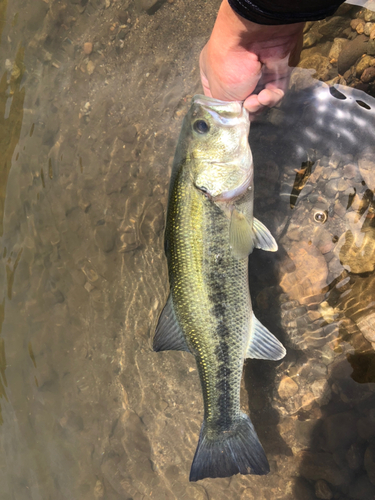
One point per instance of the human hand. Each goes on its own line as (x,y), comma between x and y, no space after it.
(244,61)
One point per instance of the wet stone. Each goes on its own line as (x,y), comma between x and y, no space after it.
(368,28)
(360,26)
(87,48)
(90,67)
(321,64)
(322,490)
(333,27)
(351,53)
(357,254)
(368,75)
(364,63)
(337,47)
(367,326)
(369,15)
(287,388)
(99,490)
(309,39)
(355,22)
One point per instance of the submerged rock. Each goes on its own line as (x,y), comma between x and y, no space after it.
(287,388)
(364,63)
(351,53)
(321,64)
(337,47)
(333,27)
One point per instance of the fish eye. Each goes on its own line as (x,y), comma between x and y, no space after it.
(321,217)
(201,127)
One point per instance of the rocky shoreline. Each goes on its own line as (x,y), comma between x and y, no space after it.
(342,48)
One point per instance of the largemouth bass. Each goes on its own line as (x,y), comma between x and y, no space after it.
(210,232)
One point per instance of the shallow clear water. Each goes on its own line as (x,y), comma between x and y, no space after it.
(87,410)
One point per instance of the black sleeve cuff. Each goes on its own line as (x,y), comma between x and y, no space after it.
(284,11)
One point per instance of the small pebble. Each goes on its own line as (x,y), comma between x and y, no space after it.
(90,67)
(87,48)
(368,28)
(355,22)
(369,15)
(287,388)
(360,28)
(368,75)
(364,63)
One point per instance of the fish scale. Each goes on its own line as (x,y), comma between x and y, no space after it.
(199,284)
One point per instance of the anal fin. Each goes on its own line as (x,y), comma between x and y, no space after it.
(263,344)
(168,334)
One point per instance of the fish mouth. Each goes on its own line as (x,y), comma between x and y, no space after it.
(224,111)
(228,106)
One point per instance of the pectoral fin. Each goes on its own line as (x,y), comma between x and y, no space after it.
(263,238)
(168,335)
(263,345)
(241,235)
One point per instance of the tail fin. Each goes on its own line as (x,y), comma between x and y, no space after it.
(233,452)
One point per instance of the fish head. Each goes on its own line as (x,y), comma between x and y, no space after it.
(217,143)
